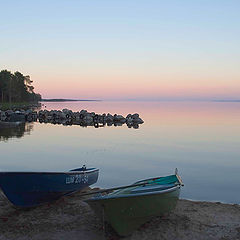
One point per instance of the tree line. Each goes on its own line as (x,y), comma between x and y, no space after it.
(15,87)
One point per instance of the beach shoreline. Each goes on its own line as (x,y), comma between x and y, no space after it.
(71,218)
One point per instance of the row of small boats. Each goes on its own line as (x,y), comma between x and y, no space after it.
(125,208)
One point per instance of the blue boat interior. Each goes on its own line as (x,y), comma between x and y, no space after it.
(81,169)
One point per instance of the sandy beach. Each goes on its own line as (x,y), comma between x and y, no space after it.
(71,218)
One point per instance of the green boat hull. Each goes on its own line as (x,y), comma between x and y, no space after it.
(126,214)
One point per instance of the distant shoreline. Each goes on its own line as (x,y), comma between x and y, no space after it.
(225,100)
(133,100)
(67,100)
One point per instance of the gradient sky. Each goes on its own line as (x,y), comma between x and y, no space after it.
(124,49)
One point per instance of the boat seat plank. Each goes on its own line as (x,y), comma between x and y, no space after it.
(151,188)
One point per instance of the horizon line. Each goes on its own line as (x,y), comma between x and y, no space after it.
(138,100)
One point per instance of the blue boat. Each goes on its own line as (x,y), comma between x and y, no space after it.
(29,189)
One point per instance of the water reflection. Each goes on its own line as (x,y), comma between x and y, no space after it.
(14,130)
(200,139)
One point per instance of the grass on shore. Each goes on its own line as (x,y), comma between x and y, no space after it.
(17,105)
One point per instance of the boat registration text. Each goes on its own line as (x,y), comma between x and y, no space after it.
(78,178)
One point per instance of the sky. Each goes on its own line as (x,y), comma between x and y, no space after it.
(124,49)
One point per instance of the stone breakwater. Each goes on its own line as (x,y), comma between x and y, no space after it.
(68,117)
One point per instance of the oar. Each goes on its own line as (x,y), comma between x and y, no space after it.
(180,180)
(122,187)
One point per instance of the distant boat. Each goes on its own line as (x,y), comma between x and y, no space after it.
(29,189)
(130,206)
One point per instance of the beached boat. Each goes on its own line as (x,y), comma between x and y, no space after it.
(28,189)
(128,207)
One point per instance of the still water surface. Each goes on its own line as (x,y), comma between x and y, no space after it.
(201,139)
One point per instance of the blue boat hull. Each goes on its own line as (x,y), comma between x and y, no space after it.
(29,189)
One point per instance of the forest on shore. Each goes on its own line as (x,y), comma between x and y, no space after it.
(15,87)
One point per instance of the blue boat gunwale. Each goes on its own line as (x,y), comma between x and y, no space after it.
(70,172)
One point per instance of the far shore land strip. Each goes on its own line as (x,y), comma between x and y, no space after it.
(69,100)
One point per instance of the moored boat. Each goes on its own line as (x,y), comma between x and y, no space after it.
(129,207)
(29,189)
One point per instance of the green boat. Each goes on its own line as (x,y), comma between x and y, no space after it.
(128,207)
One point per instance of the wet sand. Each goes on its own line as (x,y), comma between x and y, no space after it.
(71,218)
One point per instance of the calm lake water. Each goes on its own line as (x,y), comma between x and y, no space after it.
(201,139)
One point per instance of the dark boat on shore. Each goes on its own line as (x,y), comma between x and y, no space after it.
(128,207)
(29,189)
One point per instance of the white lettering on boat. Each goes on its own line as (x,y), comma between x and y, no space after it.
(85,179)
(69,179)
(78,178)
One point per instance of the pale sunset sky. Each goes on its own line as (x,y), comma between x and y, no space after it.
(124,49)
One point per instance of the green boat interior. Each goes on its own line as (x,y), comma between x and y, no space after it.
(149,186)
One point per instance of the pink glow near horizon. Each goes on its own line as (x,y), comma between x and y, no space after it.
(124,49)
(118,89)
(188,113)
